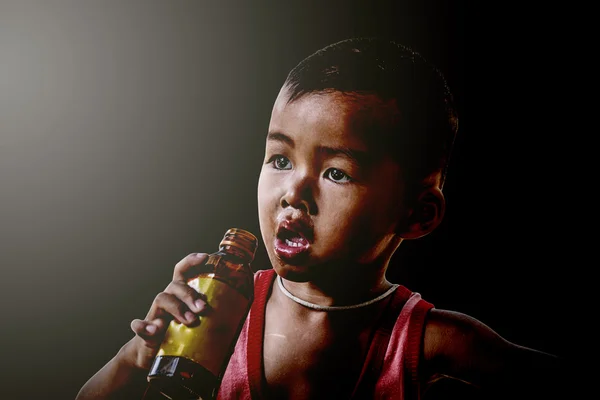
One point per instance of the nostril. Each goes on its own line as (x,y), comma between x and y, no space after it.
(299,197)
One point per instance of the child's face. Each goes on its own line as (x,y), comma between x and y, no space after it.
(326,198)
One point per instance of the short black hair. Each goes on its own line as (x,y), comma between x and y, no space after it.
(423,133)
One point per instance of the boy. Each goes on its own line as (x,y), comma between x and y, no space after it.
(355,161)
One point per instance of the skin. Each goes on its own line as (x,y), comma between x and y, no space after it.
(358,214)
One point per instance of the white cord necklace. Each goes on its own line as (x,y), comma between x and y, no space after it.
(333,308)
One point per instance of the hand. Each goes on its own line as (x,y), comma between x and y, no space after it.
(178,301)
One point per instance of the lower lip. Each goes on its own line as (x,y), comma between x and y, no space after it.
(286,251)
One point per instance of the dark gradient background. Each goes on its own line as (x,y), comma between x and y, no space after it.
(131,134)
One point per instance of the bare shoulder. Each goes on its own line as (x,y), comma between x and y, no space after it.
(460,346)
(456,335)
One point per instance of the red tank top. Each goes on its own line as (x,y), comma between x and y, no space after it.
(390,368)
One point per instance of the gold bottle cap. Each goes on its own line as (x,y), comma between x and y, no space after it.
(242,240)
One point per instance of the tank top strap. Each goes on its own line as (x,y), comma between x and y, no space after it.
(379,342)
(262,286)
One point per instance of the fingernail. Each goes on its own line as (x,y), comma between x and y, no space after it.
(199,304)
(199,255)
(150,328)
(189,316)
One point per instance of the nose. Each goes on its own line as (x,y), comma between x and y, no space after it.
(300,193)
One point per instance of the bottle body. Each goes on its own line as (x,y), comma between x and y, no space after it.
(192,359)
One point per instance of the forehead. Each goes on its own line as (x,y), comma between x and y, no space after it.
(334,117)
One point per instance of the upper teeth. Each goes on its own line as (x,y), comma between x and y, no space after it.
(293,244)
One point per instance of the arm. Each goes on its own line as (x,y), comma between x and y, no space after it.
(125,375)
(120,378)
(463,348)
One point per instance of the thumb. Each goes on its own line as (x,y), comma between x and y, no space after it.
(149,336)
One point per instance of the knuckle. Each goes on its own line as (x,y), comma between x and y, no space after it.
(159,297)
(181,290)
(190,258)
(162,298)
(190,293)
(186,259)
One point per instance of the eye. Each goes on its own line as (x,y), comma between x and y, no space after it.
(280,162)
(337,175)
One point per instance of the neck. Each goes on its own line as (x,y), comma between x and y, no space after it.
(342,284)
(353,285)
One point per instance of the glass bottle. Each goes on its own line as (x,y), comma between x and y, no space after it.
(192,359)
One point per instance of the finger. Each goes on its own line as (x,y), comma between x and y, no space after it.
(168,306)
(143,328)
(188,266)
(195,301)
(151,331)
(148,329)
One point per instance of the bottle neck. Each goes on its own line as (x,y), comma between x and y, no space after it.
(236,252)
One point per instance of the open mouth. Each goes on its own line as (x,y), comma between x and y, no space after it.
(292,240)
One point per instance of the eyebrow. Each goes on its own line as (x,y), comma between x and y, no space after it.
(359,157)
(280,137)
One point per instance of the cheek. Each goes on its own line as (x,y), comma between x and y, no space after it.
(265,184)
(344,212)
(267,195)
(360,217)
(262,193)
(260,189)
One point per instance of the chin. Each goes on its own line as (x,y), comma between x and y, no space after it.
(296,271)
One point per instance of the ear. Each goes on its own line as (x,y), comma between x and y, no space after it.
(425,216)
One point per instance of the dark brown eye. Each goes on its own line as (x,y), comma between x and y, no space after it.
(281,162)
(337,176)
